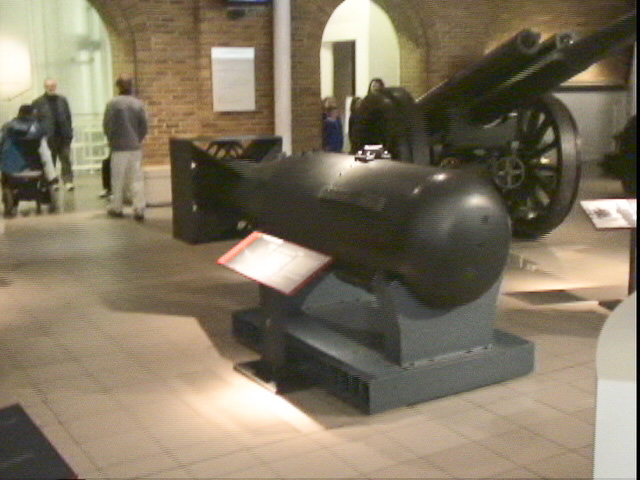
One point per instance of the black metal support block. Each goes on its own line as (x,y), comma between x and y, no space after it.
(197,218)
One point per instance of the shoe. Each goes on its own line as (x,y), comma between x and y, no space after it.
(138,216)
(104,194)
(115,213)
(69,186)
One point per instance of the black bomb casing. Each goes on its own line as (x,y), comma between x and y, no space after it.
(444,233)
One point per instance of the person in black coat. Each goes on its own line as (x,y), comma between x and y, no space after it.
(369,125)
(375,85)
(354,118)
(55,117)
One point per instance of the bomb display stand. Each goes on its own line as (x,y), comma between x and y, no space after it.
(378,349)
(404,315)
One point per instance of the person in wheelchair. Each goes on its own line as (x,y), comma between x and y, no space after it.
(26,164)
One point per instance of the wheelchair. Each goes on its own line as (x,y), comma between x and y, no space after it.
(27,185)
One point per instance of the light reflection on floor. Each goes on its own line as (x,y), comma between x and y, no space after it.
(575,257)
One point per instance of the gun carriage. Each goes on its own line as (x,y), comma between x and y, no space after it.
(499,116)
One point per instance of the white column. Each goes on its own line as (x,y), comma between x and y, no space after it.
(616,434)
(282,70)
(633,80)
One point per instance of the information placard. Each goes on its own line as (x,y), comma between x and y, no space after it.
(276,263)
(611,213)
(233,78)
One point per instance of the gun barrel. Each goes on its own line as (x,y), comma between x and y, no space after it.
(556,41)
(502,62)
(551,70)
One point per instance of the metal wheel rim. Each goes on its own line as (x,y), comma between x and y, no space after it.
(547,146)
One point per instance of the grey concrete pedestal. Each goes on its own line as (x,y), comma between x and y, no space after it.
(381,349)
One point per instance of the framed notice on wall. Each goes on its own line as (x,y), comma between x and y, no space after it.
(233,78)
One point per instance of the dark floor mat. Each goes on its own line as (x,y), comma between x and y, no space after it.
(25,452)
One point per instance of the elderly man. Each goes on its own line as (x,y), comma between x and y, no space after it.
(55,117)
(125,125)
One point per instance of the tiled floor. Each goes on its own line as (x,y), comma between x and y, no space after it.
(116,340)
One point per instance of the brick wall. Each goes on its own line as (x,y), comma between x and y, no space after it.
(166,45)
(440,37)
(252,30)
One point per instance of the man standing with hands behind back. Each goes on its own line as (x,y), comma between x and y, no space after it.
(125,125)
(54,115)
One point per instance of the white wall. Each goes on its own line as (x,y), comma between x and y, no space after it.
(349,21)
(384,51)
(14,20)
(615,442)
(599,116)
(377,49)
(326,69)
(67,41)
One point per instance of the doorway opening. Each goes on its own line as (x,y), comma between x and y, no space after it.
(359,43)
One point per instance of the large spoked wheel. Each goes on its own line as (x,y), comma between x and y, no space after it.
(540,180)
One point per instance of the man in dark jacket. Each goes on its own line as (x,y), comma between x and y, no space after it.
(55,117)
(125,125)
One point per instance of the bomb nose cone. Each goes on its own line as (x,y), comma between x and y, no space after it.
(459,241)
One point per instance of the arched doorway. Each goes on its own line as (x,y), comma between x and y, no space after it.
(359,43)
(65,40)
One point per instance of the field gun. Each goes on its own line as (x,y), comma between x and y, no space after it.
(499,117)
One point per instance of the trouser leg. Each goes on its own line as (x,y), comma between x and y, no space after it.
(118,172)
(49,169)
(136,184)
(106,174)
(46,158)
(54,147)
(65,163)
